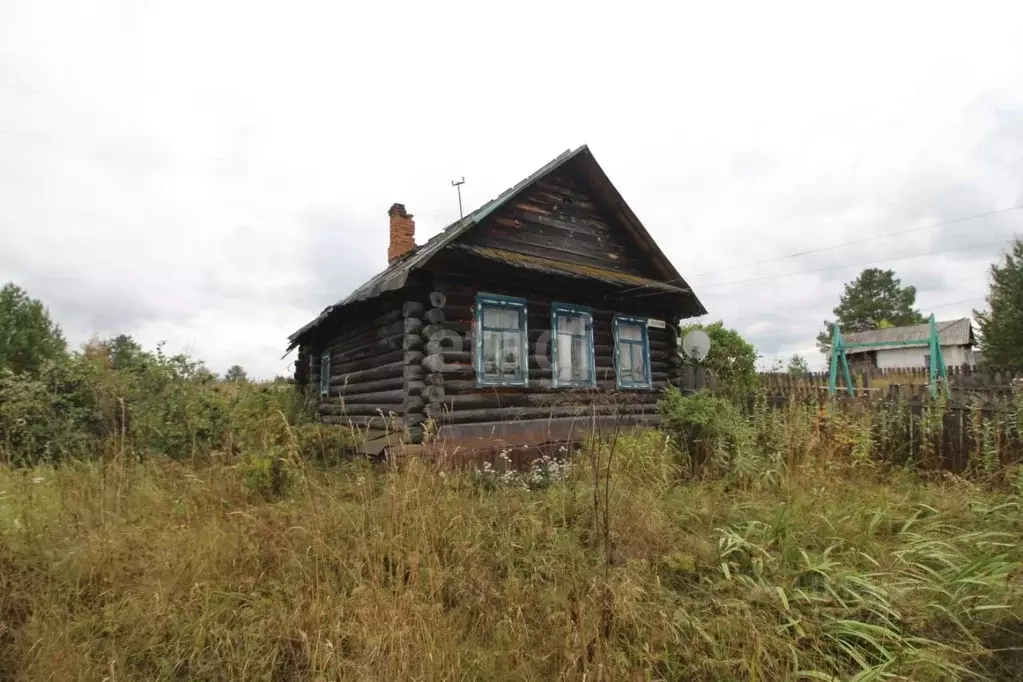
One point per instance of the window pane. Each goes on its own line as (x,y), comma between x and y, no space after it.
(491,350)
(580,358)
(571,324)
(565,357)
(625,362)
(494,316)
(638,366)
(628,331)
(510,353)
(325,373)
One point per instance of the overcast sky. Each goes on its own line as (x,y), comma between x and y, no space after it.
(213,174)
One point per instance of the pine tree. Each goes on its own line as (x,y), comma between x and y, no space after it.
(874,300)
(1001,326)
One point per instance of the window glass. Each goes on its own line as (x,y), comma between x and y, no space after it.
(573,347)
(325,374)
(632,353)
(501,357)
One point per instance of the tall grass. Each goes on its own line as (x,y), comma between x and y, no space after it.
(166,570)
(156,524)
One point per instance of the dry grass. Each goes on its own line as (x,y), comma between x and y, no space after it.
(167,571)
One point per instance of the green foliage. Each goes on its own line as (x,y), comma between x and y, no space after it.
(699,417)
(1001,326)
(28,337)
(114,397)
(269,476)
(53,415)
(711,432)
(236,373)
(731,359)
(798,365)
(874,300)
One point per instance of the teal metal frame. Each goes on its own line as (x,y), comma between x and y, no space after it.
(839,347)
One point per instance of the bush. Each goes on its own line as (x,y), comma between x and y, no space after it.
(709,430)
(269,476)
(113,397)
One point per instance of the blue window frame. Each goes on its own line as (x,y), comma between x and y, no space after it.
(572,346)
(501,357)
(325,373)
(632,352)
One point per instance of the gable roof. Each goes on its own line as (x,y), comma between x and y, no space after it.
(950,333)
(397,273)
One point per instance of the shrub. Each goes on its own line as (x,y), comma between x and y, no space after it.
(53,415)
(114,397)
(711,432)
(269,476)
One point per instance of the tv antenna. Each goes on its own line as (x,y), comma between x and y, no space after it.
(458,185)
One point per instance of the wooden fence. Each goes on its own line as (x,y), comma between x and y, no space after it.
(876,382)
(978,427)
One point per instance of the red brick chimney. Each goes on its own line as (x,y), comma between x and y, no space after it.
(403,233)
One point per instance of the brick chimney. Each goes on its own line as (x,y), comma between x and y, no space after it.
(403,233)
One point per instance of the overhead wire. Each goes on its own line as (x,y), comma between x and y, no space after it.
(840,267)
(863,240)
(768,335)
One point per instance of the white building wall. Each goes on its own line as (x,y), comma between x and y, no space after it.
(914,357)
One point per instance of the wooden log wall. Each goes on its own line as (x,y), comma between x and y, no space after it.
(556,218)
(302,377)
(376,374)
(452,396)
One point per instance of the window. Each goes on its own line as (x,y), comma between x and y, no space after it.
(500,341)
(325,373)
(632,352)
(572,350)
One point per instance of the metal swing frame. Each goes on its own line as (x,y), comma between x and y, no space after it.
(838,356)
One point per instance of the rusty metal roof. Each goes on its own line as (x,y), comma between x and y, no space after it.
(396,274)
(950,333)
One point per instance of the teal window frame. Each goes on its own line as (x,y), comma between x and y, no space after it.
(325,373)
(576,311)
(640,322)
(499,302)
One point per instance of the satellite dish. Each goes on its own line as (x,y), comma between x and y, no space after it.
(696,345)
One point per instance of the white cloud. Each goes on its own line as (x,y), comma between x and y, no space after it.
(213,174)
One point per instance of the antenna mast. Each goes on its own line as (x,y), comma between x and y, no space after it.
(458,185)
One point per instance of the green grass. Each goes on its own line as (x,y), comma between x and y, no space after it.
(826,569)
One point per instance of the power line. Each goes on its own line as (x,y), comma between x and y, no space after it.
(835,246)
(840,267)
(864,240)
(818,327)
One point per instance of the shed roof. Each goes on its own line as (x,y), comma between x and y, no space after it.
(950,333)
(397,273)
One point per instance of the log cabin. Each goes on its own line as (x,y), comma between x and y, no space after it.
(543,314)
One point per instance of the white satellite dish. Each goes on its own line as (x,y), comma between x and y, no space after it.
(696,344)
